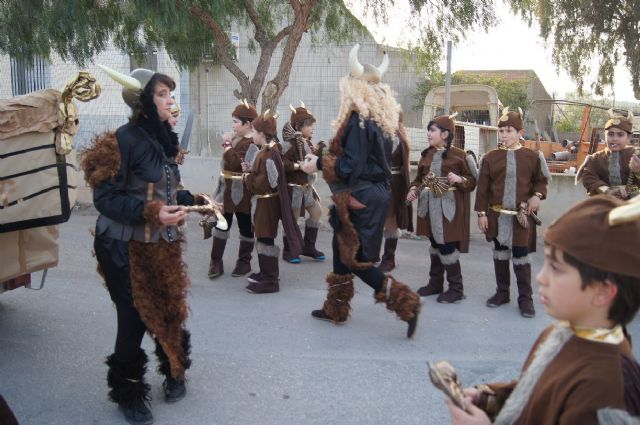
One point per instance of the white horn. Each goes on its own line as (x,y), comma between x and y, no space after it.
(354,64)
(276,115)
(630,116)
(265,115)
(245,103)
(124,80)
(302,104)
(520,111)
(611,113)
(384,65)
(292,108)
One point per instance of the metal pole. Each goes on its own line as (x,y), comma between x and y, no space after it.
(447,87)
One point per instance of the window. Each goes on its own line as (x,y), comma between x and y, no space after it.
(29,75)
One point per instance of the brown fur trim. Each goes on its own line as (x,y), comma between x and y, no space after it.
(339,294)
(101,161)
(402,300)
(347,236)
(151,213)
(381,295)
(329,168)
(159,285)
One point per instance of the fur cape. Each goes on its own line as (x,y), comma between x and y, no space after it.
(101,161)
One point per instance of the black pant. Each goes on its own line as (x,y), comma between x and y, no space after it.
(244,223)
(516,251)
(113,258)
(445,248)
(371,276)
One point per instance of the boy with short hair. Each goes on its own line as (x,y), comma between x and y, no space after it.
(511,183)
(581,370)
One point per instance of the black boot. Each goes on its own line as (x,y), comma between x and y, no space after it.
(174,388)
(436,275)
(455,293)
(503,278)
(388,262)
(522,270)
(216,267)
(128,388)
(310,236)
(243,265)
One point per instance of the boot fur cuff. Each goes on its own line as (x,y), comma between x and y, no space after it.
(521,261)
(244,238)
(268,250)
(314,224)
(433,250)
(217,233)
(502,254)
(449,259)
(151,213)
(391,234)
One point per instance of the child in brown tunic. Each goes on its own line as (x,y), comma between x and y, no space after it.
(443,216)
(233,194)
(512,182)
(581,370)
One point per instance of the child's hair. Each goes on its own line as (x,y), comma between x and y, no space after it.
(244,120)
(299,124)
(449,136)
(627,301)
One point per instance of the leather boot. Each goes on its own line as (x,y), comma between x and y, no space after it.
(243,265)
(436,275)
(522,270)
(269,270)
(310,236)
(455,292)
(503,278)
(286,254)
(128,388)
(388,262)
(336,307)
(174,388)
(401,300)
(216,267)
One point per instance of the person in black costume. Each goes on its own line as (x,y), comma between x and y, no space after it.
(358,171)
(135,181)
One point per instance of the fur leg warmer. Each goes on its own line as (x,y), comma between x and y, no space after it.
(399,298)
(339,294)
(159,287)
(126,379)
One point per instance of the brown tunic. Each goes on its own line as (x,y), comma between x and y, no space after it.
(232,159)
(583,377)
(398,207)
(456,230)
(267,210)
(529,178)
(594,172)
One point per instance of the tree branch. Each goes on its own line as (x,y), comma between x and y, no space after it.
(261,32)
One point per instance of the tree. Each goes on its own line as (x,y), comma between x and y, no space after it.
(511,93)
(598,31)
(78,29)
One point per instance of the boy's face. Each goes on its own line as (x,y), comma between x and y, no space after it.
(240,129)
(617,139)
(307,131)
(258,137)
(436,137)
(509,136)
(561,290)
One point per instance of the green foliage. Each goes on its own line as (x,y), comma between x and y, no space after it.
(585,32)
(511,93)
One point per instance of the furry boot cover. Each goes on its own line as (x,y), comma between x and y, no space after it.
(339,294)
(400,299)
(346,234)
(159,287)
(126,379)
(164,368)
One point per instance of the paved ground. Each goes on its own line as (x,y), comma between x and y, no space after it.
(259,359)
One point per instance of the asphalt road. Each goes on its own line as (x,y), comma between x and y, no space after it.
(260,359)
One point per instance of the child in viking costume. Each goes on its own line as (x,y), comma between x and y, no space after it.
(296,144)
(446,176)
(270,204)
(400,214)
(581,370)
(233,194)
(138,245)
(357,169)
(616,169)
(512,182)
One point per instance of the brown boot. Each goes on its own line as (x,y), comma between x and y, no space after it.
(503,278)
(339,293)
(436,275)
(310,236)
(454,276)
(216,267)
(286,254)
(400,299)
(243,265)
(269,270)
(388,262)
(522,270)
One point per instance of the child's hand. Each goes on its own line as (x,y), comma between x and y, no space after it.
(460,417)
(310,165)
(227,140)
(245,166)
(412,196)
(483,224)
